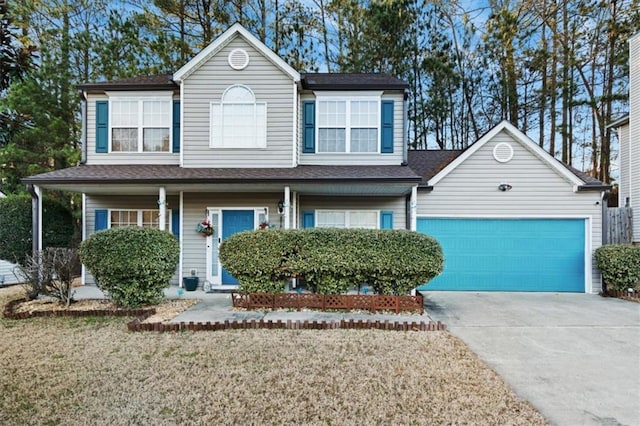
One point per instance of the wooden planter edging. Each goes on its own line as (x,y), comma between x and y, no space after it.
(138,325)
(323,302)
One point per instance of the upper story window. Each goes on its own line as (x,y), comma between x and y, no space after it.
(238,121)
(140,124)
(348,125)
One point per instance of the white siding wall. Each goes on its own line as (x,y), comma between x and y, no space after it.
(395,204)
(208,83)
(357,158)
(8,272)
(119,157)
(538,191)
(95,202)
(634,132)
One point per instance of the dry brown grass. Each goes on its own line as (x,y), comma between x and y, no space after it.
(92,371)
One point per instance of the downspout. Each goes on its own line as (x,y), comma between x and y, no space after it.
(36,215)
(405,129)
(83,140)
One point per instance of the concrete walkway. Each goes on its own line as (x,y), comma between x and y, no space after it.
(575,357)
(216,307)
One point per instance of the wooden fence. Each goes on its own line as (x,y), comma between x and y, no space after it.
(618,225)
(323,302)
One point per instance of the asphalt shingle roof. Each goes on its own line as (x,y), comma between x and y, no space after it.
(351,81)
(174,173)
(427,163)
(160,81)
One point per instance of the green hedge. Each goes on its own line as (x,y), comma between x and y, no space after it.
(620,266)
(332,260)
(16,227)
(131,265)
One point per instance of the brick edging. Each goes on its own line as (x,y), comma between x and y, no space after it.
(137,324)
(618,293)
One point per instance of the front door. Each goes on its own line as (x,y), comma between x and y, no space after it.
(234,221)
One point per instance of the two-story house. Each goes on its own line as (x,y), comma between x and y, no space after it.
(628,130)
(239,139)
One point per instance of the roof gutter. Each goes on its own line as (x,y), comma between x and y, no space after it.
(587,188)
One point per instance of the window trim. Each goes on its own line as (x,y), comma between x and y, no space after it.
(347,216)
(213,143)
(140,98)
(348,97)
(139,218)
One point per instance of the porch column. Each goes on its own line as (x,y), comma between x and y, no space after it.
(287,207)
(413,208)
(36,218)
(162,204)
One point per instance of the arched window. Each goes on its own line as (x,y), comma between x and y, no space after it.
(238,121)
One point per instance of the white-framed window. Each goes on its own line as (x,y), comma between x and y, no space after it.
(238,121)
(144,218)
(369,219)
(140,124)
(348,124)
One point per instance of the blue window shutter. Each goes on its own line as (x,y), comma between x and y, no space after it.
(176,126)
(102,126)
(175,223)
(101,220)
(309,124)
(386,220)
(308,219)
(387,127)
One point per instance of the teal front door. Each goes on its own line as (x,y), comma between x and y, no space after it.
(234,221)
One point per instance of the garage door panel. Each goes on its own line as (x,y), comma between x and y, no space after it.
(509,254)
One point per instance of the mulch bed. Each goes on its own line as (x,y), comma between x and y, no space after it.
(139,323)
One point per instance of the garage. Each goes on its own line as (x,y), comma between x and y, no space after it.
(498,254)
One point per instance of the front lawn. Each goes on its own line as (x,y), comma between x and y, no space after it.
(91,370)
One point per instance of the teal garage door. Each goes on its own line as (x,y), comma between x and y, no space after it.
(509,254)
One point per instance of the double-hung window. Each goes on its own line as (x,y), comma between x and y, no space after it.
(368,219)
(140,124)
(142,218)
(348,125)
(238,121)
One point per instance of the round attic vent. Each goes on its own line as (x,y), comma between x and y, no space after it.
(503,152)
(238,59)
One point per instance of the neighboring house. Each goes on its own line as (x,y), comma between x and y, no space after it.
(628,129)
(8,272)
(238,138)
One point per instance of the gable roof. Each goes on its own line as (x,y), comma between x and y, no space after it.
(519,137)
(351,81)
(619,122)
(143,82)
(213,48)
(434,165)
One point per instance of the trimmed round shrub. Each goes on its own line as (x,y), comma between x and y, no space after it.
(332,260)
(620,266)
(131,265)
(16,226)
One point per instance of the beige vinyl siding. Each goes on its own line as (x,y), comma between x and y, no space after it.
(634,132)
(119,157)
(624,158)
(95,202)
(395,204)
(471,190)
(194,246)
(348,159)
(208,83)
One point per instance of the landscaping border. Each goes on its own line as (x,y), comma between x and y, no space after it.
(323,302)
(137,324)
(621,294)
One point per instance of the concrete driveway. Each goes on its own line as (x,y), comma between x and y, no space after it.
(575,357)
